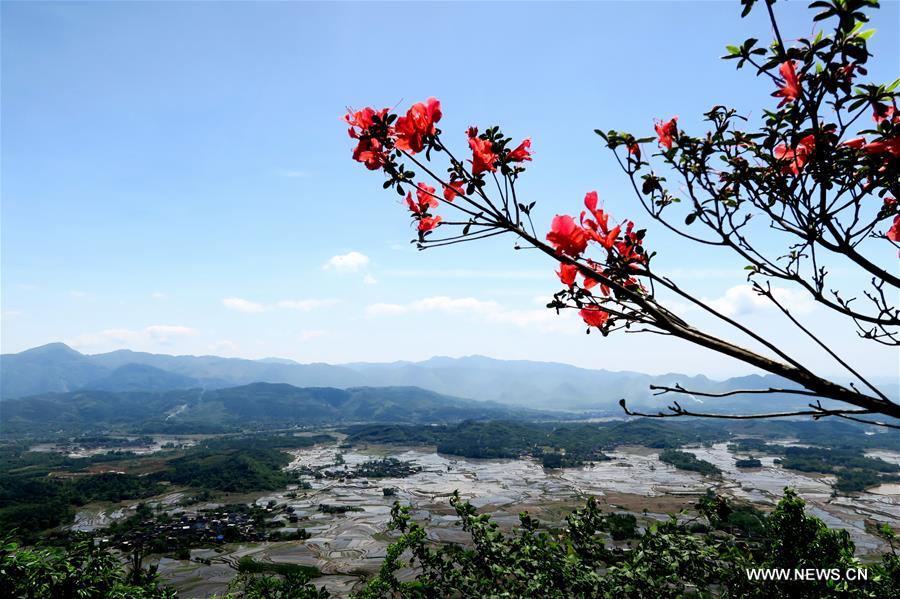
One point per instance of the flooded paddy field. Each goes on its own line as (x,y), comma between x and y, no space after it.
(348,547)
(138,446)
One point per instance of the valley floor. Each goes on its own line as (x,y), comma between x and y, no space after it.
(350,546)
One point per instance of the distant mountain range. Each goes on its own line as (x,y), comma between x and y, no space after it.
(57,368)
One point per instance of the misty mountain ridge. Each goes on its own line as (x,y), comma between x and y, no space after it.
(57,368)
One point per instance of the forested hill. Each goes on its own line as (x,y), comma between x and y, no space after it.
(262,405)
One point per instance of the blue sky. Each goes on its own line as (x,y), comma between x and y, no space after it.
(176,177)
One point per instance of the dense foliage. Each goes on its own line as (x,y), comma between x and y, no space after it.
(80,570)
(668,560)
(32,503)
(684,460)
(235,471)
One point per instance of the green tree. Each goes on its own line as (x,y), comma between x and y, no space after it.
(82,570)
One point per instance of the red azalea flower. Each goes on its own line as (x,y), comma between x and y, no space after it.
(472,132)
(796,158)
(894,232)
(609,240)
(483,157)
(635,150)
(855,143)
(418,123)
(567,274)
(362,120)
(424,199)
(429,223)
(425,195)
(627,247)
(589,282)
(370,152)
(601,218)
(566,236)
(890,145)
(594,316)
(790,89)
(848,71)
(882,112)
(667,131)
(521,153)
(598,227)
(454,189)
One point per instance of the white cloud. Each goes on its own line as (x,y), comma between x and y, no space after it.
(293,174)
(310,335)
(741,300)
(301,305)
(467,273)
(158,295)
(369,280)
(385,310)
(541,319)
(78,294)
(242,305)
(307,305)
(151,336)
(164,331)
(349,262)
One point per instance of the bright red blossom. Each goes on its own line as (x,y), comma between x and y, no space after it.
(883,112)
(635,150)
(889,145)
(796,158)
(855,143)
(566,236)
(369,150)
(894,232)
(567,274)
(424,199)
(521,153)
(429,223)
(590,282)
(418,123)
(597,228)
(483,157)
(594,316)
(790,89)
(362,120)
(848,71)
(667,132)
(627,247)
(454,189)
